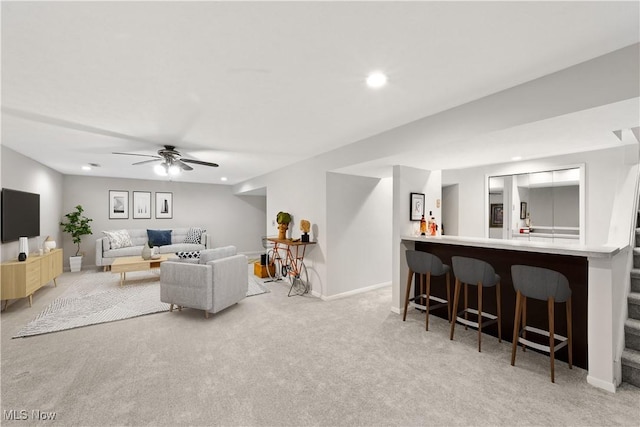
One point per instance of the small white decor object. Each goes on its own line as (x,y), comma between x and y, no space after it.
(75,263)
(146,252)
(23,248)
(49,244)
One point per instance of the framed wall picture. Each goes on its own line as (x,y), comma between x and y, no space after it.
(164,205)
(118,204)
(141,205)
(417,207)
(523,210)
(496,215)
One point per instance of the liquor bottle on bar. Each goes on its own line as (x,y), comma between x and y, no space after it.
(433,227)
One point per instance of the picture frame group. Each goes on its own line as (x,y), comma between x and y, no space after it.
(141,204)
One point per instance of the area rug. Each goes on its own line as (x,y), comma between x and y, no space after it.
(95,298)
(256,287)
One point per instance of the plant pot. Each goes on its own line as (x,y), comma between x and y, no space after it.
(75,263)
(282,231)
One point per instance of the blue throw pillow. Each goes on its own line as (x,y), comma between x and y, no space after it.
(159,237)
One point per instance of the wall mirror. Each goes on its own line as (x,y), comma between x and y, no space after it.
(543,206)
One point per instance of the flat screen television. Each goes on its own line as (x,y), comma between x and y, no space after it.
(20,214)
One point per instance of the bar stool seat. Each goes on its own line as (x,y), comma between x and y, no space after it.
(546,285)
(471,271)
(426,265)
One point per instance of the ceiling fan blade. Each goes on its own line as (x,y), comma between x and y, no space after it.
(146,161)
(200,162)
(143,155)
(183,165)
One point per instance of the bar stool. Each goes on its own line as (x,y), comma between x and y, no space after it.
(472,271)
(426,264)
(546,285)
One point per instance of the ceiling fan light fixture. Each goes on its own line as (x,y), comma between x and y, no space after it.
(160,169)
(172,162)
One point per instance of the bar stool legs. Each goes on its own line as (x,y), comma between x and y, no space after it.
(520,329)
(470,271)
(429,297)
(448,279)
(406,296)
(499,311)
(569,333)
(479,317)
(478,324)
(516,327)
(426,265)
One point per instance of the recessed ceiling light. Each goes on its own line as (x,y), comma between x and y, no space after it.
(516,158)
(86,168)
(224,178)
(376,80)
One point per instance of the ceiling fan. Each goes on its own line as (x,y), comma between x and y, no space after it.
(171,160)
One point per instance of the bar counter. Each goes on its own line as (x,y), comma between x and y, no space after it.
(592,274)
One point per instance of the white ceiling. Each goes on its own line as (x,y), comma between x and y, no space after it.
(255,86)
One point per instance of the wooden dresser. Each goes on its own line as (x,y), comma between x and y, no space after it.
(22,279)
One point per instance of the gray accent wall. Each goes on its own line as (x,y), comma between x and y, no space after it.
(228,218)
(22,173)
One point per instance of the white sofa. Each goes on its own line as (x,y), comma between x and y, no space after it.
(105,255)
(218,281)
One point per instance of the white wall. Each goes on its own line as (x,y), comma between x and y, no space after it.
(359,212)
(24,174)
(228,218)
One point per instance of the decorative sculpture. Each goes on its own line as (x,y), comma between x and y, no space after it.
(305,226)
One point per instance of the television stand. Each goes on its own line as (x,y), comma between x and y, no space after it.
(20,279)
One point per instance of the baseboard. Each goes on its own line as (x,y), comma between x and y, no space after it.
(605,385)
(397,310)
(355,291)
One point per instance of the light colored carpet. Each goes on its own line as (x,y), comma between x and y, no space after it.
(278,361)
(98,298)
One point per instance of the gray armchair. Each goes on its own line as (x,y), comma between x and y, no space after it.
(219,280)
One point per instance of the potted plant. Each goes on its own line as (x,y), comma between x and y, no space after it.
(77,225)
(283,219)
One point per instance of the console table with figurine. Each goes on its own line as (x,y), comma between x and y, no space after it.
(286,259)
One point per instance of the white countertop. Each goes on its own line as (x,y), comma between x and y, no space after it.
(521,245)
